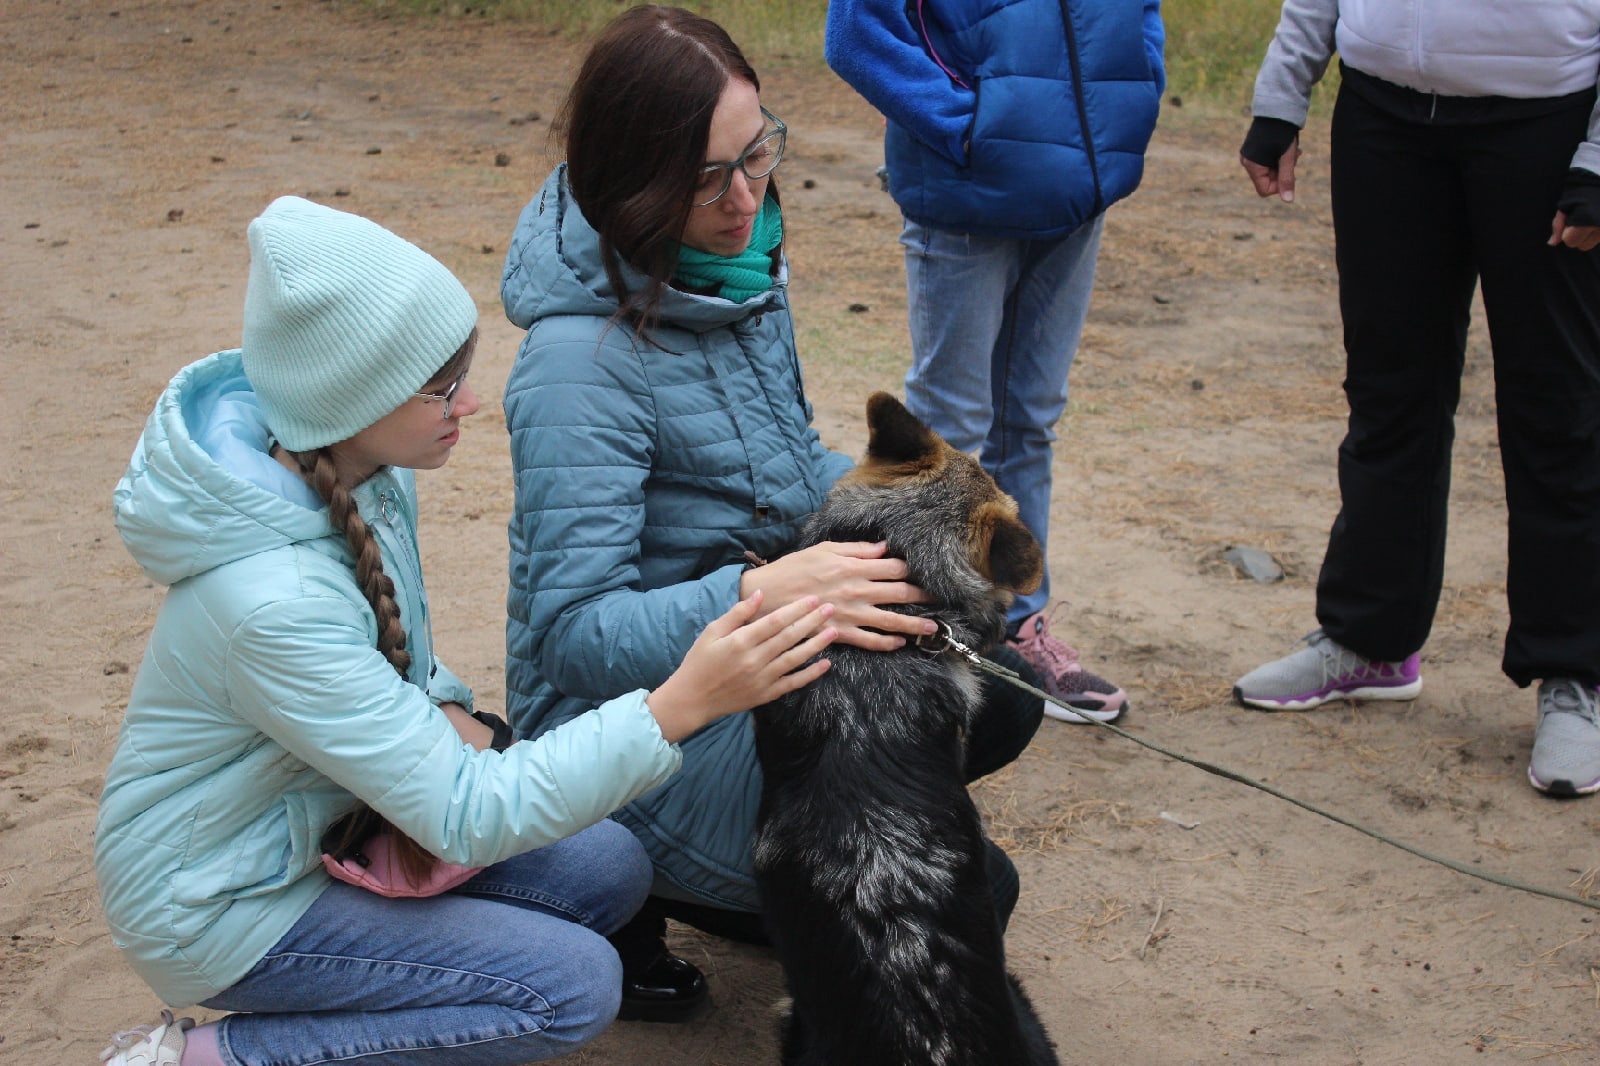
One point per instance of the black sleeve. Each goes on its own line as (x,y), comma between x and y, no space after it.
(1267,140)
(503,736)
(1580,198)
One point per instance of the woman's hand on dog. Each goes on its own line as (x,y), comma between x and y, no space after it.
(856,578)
(741,660)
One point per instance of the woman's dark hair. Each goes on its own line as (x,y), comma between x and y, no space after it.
(345,836)
(636,125)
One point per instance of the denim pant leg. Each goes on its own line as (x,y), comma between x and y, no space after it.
(598,877)
(995,324)
(461,978)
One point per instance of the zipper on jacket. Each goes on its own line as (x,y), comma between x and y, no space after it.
(915,15)
(389,512)
(419,637)
(1083,111)
(919,22)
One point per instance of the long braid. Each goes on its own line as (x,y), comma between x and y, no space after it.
(347,834)
(376,585)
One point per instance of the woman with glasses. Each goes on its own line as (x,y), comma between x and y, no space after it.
(663,451)
(290,682)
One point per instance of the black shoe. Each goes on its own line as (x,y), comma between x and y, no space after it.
(668,990)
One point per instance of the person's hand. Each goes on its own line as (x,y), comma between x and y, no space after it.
(741,661)
(1583,238)
(857,580)
(1274,182)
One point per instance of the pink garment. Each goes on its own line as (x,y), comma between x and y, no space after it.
(382,873)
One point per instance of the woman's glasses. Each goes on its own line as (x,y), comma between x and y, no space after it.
(447,397)
(759,160)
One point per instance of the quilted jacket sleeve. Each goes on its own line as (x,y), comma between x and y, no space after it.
(303,671)
(445,687)
(582,422)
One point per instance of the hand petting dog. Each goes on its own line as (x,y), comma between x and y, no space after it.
(741,661)
(855,577)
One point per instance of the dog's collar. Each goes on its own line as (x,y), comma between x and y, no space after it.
(942,640)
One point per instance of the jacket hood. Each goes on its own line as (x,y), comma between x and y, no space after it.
(201,489)
(554,267)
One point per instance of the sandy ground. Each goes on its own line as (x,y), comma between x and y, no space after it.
(1167,916)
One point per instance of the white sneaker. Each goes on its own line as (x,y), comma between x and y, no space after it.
(149,1045)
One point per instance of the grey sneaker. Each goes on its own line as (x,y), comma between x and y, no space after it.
(1566,745)
(1324,670)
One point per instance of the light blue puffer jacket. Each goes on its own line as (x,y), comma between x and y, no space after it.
(643,475)
(263,710)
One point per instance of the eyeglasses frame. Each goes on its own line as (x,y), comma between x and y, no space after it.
(448,396)
(782,132)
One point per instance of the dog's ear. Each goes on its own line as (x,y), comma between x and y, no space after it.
(1014,558)
(895,434)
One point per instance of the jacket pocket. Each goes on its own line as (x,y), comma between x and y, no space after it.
(972,123)
(274,850)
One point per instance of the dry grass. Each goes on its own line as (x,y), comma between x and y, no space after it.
(1068,825)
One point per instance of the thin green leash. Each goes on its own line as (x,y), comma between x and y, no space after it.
(949,643)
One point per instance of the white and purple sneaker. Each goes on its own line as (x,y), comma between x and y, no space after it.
(1324,670)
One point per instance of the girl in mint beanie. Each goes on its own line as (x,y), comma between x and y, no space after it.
(289,705)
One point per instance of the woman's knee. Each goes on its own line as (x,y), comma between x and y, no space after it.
(1004,882)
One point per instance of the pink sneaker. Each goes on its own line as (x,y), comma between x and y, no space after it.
(1064,677)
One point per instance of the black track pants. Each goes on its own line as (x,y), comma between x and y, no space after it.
(1421,214)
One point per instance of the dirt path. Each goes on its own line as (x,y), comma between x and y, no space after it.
(140,140)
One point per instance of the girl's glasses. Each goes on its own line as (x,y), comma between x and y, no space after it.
(447,397)
(759,160)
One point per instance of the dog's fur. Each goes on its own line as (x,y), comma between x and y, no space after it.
(869,851)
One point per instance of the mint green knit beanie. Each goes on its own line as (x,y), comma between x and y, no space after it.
(343,321)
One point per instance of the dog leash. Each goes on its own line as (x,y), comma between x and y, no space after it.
(943,640)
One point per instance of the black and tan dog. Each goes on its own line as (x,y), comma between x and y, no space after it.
(869,851)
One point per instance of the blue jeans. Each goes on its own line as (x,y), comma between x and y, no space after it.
(512,966)
(994,327)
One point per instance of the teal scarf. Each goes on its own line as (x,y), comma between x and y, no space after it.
(739,277)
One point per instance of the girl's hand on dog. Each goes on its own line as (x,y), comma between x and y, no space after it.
(854,577)
(742,660)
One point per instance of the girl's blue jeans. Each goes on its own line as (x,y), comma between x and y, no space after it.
(995,324)
(510,967)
